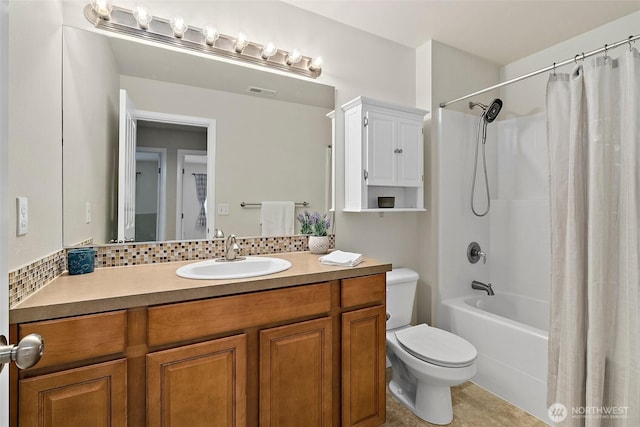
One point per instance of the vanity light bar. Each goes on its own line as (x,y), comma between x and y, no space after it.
(160,30)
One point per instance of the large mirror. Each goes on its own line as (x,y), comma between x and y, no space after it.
(203,135)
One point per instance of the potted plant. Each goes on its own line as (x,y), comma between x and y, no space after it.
(319,227)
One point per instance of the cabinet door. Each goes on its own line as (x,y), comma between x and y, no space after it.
(408,154)
(198,385)
(90,396)
(363,367)
(295,375)
(381,141)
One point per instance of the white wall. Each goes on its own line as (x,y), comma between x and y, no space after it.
(35,127)
(356,63)
(90,138)
(288,165)
(528,96)
(452,73)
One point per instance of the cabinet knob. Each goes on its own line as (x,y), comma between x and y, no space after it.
(398,151)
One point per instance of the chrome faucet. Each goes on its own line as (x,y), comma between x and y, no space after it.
(482,287)
(232,249)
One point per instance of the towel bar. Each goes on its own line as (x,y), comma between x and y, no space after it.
(248,205)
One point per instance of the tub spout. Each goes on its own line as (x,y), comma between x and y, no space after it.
(482,287)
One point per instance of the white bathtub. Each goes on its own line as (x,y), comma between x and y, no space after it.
(510,333)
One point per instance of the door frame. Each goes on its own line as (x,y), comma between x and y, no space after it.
(4,201)
(210,125)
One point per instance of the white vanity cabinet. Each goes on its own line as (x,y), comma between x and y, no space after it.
(383,155)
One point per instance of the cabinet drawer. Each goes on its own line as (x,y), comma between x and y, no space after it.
(191,320)
(79,338)
(363,290)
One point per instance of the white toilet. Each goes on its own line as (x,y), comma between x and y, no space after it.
(425,361)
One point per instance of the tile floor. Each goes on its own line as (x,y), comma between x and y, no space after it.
(472,407)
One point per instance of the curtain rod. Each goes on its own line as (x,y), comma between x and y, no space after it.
(581,56)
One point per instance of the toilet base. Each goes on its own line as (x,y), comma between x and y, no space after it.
(432,403)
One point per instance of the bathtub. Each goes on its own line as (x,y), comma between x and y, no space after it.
(510,333)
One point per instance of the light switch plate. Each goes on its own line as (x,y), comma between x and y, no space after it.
(22,217)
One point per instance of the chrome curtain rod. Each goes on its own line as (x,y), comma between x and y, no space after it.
(555,65)
(246,205)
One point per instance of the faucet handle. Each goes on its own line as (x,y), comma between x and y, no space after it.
(474,253)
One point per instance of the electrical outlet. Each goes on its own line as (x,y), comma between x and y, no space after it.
(223,209)
(22,206)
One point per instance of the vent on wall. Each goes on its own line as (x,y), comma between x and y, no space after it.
(261,91)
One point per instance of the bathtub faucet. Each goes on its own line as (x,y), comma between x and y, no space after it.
(482,287)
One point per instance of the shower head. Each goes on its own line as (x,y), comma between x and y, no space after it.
(489,112)
(493,110)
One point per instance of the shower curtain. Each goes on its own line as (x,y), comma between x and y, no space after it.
(201,194)
(593,127)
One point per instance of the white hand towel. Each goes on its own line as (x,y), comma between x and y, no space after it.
(345,259)
(277,218)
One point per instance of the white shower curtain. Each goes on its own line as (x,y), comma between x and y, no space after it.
(593,126)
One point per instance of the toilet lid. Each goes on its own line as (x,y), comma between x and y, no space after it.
(437,346)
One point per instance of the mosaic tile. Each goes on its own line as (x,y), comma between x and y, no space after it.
(27,280)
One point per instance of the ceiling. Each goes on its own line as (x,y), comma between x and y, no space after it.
(500,31)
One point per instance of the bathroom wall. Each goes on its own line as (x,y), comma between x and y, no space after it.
(528,97)
(91,138)
(356,63)
(35,147)
(444,73)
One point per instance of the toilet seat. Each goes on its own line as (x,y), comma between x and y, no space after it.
(437,346)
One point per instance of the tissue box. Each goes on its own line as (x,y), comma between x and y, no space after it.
(81,260)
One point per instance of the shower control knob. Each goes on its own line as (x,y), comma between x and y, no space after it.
(474,253)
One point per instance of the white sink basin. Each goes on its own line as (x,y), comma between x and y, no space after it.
(247,267)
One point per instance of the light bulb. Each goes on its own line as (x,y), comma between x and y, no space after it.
(294,57)
(269,50)
(143,16)
(316,64)
(102,8)
(210,34)
(241,42)
(178,26)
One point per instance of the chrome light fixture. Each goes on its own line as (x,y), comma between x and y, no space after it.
(175,32)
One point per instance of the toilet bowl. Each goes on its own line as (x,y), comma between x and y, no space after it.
(425,361)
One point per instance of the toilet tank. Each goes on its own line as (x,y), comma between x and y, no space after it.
(401,293)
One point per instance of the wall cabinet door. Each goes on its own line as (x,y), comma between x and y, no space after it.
(380,144)
(198,385)
(408,153)
(295,375)
(90,396)
(363,367)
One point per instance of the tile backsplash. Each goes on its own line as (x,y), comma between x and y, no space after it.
(27,280)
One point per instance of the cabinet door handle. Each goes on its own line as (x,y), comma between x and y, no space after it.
(398,151)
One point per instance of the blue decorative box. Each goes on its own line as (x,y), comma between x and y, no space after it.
(81,260)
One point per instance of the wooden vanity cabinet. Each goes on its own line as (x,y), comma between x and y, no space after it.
(309,355)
